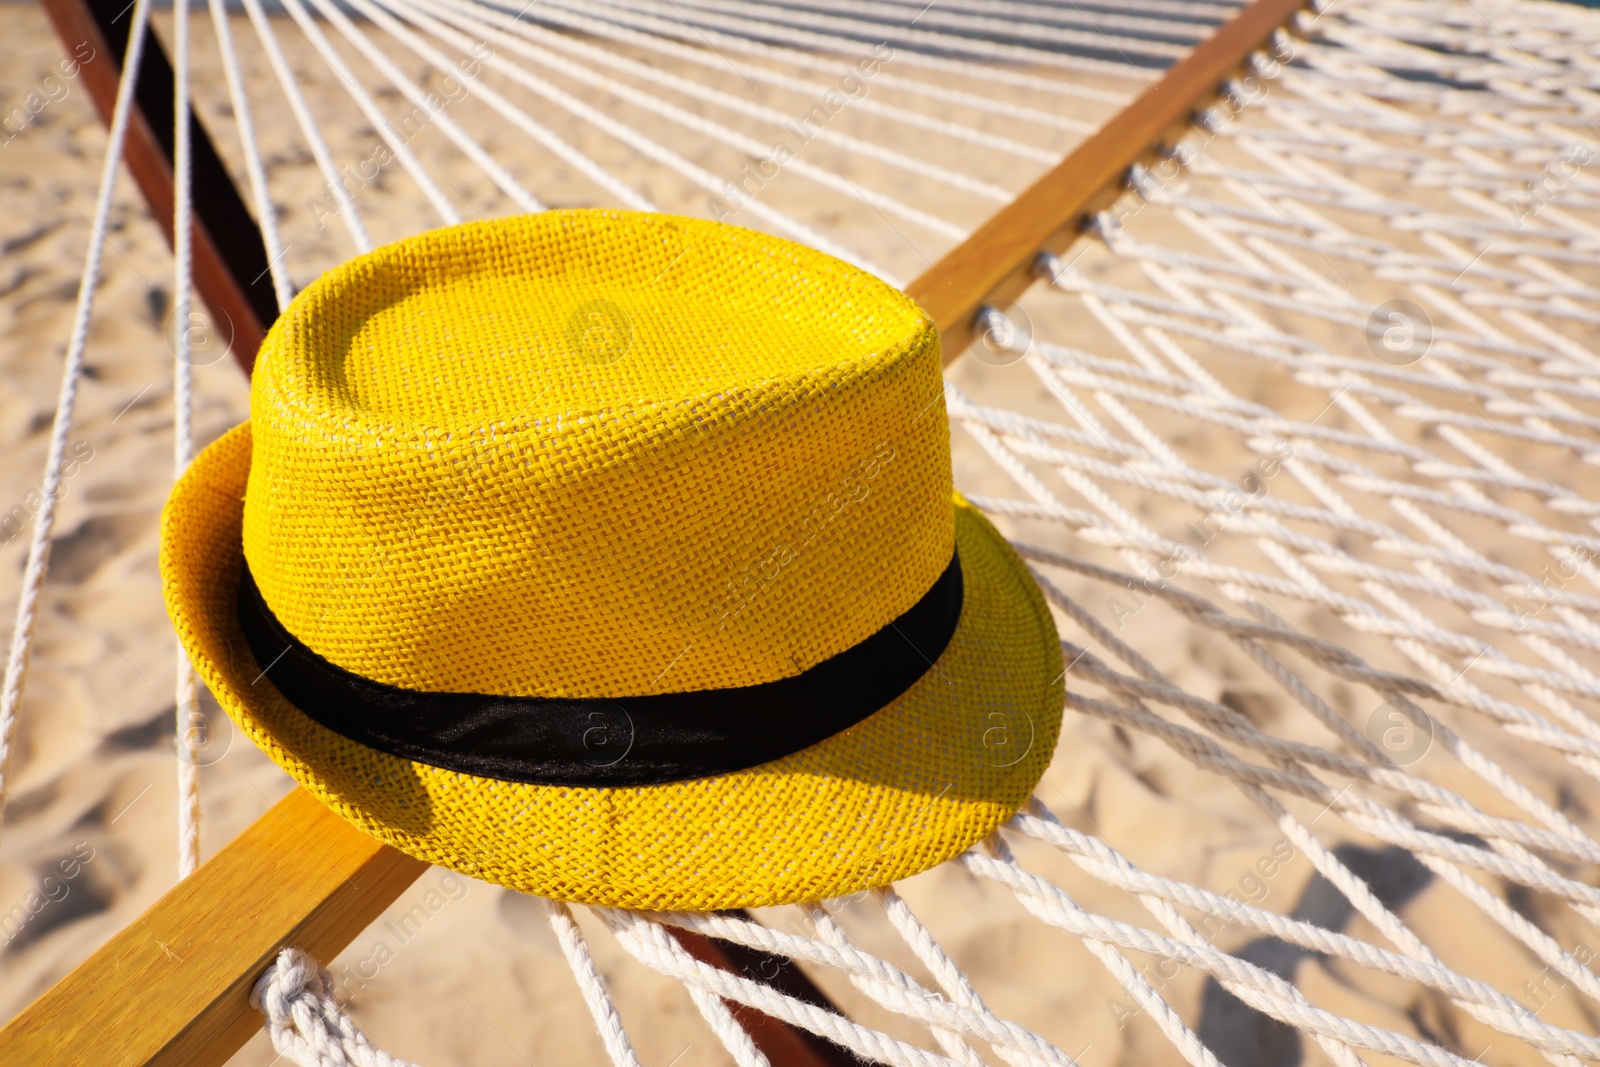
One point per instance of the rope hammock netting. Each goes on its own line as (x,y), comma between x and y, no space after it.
(1296,437)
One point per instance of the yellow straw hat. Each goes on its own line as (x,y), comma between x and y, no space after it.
(614,557)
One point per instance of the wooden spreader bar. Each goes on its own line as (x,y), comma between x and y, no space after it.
(172,989)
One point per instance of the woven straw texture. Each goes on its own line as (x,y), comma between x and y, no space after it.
(605,454)
(453,491)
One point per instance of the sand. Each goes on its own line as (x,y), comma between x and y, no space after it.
(461,972)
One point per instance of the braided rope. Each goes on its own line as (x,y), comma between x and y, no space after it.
(186,694)
(20,648)
(306,1022)
(307,123)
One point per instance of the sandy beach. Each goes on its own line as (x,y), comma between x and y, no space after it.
(466,973)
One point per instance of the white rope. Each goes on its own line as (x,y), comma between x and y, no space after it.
(1027,16)
(413,9)
(563,14)
(1167,349)
(844,28)
(979,25)
(591,984)
(186,700)
(691,29)
(889,987)
(266,215)
(480,14)
(651,945)
(1111,867)
(306,1022)
(951,981)
(502,177)
(647,147)
(397,146)
(1176,18)
(734,1038)
(33,575)
(1379,821)
(1013,1043)
(1259,988)
(1447,501)
(347,212)
(1135,983)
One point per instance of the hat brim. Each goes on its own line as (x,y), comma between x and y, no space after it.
(903,790)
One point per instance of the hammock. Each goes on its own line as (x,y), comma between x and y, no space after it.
(1311,504)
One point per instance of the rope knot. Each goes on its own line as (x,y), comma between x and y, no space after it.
(293,977)
(305,1020)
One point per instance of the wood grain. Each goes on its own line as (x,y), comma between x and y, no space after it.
(994,265)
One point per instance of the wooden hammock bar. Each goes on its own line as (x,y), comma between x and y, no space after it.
(172,989)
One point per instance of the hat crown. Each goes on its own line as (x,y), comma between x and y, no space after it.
(595,454)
